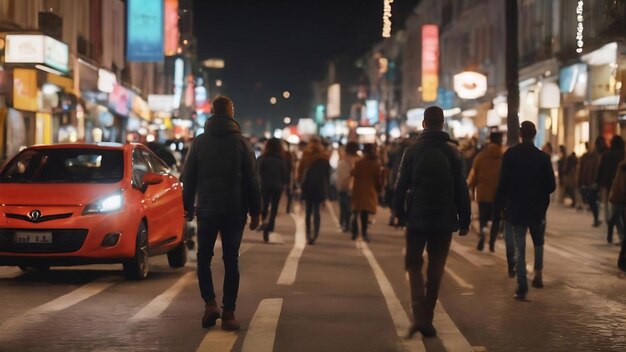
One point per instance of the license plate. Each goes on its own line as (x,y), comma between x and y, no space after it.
(33,237)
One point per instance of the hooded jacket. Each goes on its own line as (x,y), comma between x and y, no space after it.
(485,171)
(220,175)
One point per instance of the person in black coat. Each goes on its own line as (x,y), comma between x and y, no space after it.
(608,168)
(526,182)
(221,187)
(432,199)
(274,174)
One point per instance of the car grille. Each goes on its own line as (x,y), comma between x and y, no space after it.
(63,241)
(41,219)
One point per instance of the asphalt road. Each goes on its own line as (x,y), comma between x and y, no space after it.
(337,295)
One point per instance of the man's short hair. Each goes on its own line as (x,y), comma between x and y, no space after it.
(433,117)
(495,137)
(222,106)
(528,130)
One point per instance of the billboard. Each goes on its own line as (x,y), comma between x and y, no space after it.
(333,108)
(25,89)
(430,62)
(144,42)
(172,33)
(37,49)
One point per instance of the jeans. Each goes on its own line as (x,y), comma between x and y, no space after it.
(270,198)
(590,196)
(537,233)
(485,213)
(615,219)
(344,209)
(364,217)
(289,193)
(424,297)
(312,210)
(230,227)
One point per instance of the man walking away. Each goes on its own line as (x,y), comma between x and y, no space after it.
(221,185)
(314,178)
(618,196)
(345,183)
(483,178)
(608,170)
(526,181)
(588,176)
(433,200)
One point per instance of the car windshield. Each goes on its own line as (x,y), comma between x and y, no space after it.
(71,165)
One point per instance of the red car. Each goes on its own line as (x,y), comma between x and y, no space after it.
(74,204)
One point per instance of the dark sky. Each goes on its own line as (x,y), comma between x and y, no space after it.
(274,45)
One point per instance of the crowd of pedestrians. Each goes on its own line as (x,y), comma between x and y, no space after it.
(426,181)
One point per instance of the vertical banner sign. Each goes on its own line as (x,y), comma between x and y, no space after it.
(333,108)
(430,62)
(172,34)
(144,30)
(25,89)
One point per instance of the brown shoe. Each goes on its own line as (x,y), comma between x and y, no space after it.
(229,322)
(211,314)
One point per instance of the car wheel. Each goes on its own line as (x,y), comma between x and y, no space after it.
(177,257)
(137,268)
(40,268)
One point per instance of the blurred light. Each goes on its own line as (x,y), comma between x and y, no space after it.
(451,112)
(48,69)
(286,94)
(185,42)
(49,89)
(218,83)
(469,113)
(179,50)
(395,133)
(579,27)
(287,120)
(387,18)
(278,133)
(293,139)
(366,131)
(273,100)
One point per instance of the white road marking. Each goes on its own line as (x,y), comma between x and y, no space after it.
(333,215)
(262,330)
(276,238)
(467,253)
(10,272)
(290,269)
(398,314)
(39,314)
(450,336)
(158,305)
(458,279)
(217,341)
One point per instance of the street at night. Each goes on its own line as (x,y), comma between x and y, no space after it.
(312,176)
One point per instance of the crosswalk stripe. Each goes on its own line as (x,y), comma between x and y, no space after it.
(38,314)
(450,336)
(398,314)
(458,279)
(218,341)
(262,330)
(466,253)
(10,272)
(161,302)
(290,269)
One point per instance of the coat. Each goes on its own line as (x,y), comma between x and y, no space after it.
(618,188)
(310,154)
(316,181)
(367,175)
(344,172)
(431,192)
(608,166)
(526,181)
(274,173)
(220,175)
(485,172)
(589,168)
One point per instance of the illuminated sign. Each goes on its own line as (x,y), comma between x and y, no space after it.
(119,100)
(470,85)
(430,62)
(579,27)
(214,63)
(333,108)
(172,33)
(25,89)
(371,107)
(161,102)
(144,30)
(106,80)
(179,74)
(387,18)
(37,49)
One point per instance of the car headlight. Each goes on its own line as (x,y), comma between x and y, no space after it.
(105,205)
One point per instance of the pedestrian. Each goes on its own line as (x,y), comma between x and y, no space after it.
(618,196)
(221,189)
(367,175)
(608,169)
(437,204)
(274,174)
(547,148)
(483,180)
(314,178)
(289,159)
(345,183)
(588,177)
(526,182)
(567,175)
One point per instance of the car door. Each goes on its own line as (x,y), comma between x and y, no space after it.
(167,199)
(155,220)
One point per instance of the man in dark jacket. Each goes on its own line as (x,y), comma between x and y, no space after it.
(608,168)
(526,181)
(432,199)
(221,185)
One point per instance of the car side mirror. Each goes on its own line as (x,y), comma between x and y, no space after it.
(150,178)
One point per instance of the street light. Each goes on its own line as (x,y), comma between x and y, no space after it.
(218,83)
(273,100)
(286,94)
(287,120)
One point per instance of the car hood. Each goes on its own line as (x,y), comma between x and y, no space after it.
(54,194)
